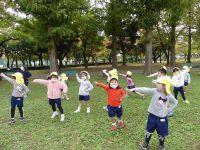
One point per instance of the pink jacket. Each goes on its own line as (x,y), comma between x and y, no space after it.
(54,89)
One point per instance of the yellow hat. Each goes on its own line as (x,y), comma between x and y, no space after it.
(166,80)
(54,74)
(113,74)
(164,67)
(129,73)
(64,77)
(19,77)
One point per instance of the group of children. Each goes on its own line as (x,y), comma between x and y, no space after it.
(162,103)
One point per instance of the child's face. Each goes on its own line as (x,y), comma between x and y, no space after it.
(54,78)
(160,87)
(114,84)
(176,73)
(83,76)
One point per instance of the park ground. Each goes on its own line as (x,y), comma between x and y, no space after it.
(92,131)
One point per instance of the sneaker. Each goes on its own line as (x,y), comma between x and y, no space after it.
(121,124)
(186,101)
(54,114)
(22,119)
(78,110)
(161,148)
(88,110)
(113,128)
(62,117)
(143,146)
(105,108)
(12,121)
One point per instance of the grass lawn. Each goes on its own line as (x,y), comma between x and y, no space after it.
(92,131)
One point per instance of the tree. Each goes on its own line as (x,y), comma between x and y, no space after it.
(57,18)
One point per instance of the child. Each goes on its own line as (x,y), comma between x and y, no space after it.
(63,79)
(84,89)
(178,83)
(115,96)
(130,82)
(54,90)
(161,72)
(20,90)
(186,75)
(158,110)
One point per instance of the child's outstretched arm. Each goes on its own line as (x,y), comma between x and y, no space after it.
(10,80)
(78,79)
(142,90)
(153,75)
(101,85)
(173,103)
(40,81)
(123,75)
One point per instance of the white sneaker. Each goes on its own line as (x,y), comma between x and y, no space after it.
(62,117)
(88,110)
(105,108)
(54,114)
(78,110)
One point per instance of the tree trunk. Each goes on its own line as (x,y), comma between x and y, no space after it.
(148,52)
(189,40)
(172,44)
(8,61)
(114,49)
(53,57)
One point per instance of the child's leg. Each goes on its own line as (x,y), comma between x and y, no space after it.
(13,105)
(182,93)
(111,114)
(20,107)
(161,141)
(119,113)
(175,92)
(59,105)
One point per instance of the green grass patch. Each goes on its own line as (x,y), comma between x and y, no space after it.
(92,131)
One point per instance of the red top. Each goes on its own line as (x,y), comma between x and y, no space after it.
(115,96)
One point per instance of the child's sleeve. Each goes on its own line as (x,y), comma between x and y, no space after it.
(64,87)
(10,80)
(123,75)
(153,75)
(78,79)
(173,102)
(90,86)
(145,90)
(123,94)
(103,86)
(41,81)
(189,78)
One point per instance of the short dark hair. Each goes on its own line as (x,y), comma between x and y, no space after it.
(176,69)
(162,71)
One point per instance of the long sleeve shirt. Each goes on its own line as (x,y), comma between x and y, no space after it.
(115,96)
(160,104)
(178,80)
(19,90)
(54,88)
(85,86)
(187,77)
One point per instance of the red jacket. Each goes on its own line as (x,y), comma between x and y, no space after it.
(115,96)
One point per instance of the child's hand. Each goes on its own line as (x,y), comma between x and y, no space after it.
(2,74)
(95,82)
(86,90)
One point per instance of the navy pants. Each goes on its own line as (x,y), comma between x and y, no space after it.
(181,90)
(54,102)
(158,124)
(115,111)
(16,101)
